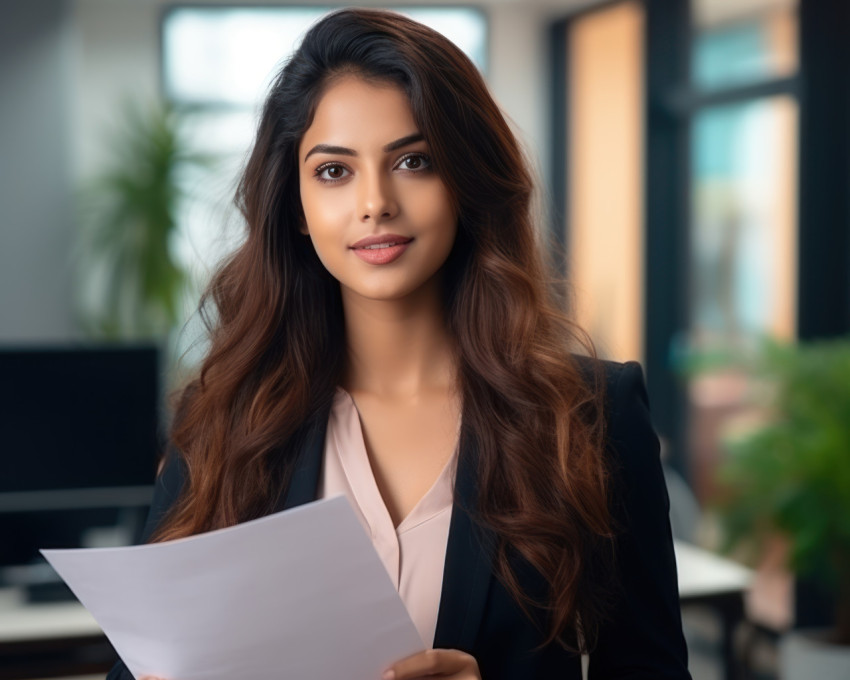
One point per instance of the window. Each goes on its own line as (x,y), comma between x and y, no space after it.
(742,226)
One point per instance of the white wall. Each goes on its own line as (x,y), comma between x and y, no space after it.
(35,182)
(519,76)
(116,61)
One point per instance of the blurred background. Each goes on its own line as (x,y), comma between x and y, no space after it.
(694,165)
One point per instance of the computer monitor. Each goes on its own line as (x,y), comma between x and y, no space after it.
(78,446)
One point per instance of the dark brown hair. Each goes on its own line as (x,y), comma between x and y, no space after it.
(277,339)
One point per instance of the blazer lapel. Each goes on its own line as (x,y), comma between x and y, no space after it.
(304,484)
(468,566)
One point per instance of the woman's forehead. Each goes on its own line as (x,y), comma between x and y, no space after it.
(356,113)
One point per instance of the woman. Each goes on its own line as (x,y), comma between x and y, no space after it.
(386,331)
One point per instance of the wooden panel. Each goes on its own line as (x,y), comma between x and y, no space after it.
(605,238)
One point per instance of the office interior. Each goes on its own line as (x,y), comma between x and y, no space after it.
(693,158)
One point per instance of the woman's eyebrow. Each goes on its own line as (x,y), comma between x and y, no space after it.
(345,151)
(404,141)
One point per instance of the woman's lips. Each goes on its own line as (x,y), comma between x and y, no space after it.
(381,248)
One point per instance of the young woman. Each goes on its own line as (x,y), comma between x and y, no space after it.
(386,331)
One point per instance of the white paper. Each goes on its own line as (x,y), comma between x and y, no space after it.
(299,595)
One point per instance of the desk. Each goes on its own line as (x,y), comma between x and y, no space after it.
(49,640)
(720,584)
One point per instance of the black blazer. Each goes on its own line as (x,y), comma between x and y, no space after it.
(643,639)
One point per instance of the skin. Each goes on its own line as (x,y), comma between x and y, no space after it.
(401,368)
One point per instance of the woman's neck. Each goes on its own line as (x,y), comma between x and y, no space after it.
(398,348)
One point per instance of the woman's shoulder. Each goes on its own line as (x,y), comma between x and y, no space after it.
(169,483)
(621,384)
(631,442)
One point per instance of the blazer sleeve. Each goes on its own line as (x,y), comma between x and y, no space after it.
(643,638)
(167,488)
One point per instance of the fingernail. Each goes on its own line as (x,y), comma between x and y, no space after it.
(388,675)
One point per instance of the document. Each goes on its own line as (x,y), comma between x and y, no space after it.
(299,595)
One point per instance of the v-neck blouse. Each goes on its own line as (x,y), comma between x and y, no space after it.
(414,552)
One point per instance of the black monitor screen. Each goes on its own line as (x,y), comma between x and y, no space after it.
(81,418)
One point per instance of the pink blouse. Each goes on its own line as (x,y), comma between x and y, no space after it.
(414,552)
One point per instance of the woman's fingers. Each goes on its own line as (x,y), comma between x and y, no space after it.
(441,663)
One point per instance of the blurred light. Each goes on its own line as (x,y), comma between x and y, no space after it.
(743,221)
(223,56)
(743,42)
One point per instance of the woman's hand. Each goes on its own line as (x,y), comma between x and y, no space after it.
(440,663)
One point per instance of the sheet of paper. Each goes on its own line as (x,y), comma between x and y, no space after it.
(300,595)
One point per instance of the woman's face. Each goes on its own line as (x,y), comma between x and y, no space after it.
(380,218)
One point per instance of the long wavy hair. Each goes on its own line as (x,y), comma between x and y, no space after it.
(277,349)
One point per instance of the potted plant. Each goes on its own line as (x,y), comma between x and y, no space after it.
(131,283)
(790,474)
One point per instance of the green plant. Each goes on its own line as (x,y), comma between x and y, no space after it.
(791,473)
(132,284)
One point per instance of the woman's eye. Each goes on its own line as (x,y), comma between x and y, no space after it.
(415,162)
(331,172)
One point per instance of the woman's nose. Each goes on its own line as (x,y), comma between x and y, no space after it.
(377,200)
